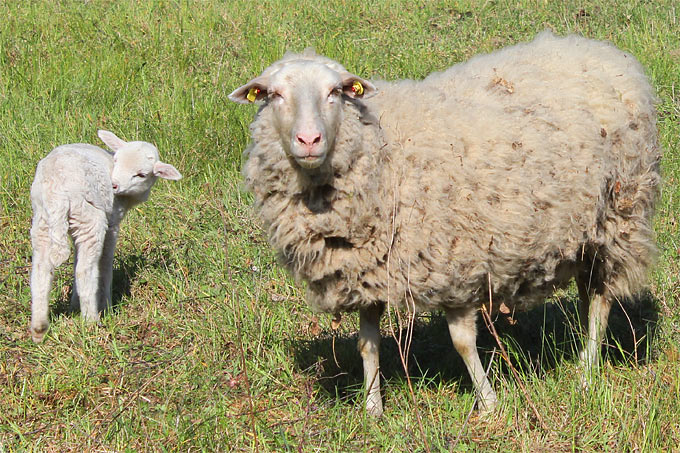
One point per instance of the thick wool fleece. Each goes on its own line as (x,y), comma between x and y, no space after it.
(524,167)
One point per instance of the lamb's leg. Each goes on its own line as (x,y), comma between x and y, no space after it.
(369,348)
(598,315)
(463,330)
(89,233)
(41,283)
(106,267)
(75,299)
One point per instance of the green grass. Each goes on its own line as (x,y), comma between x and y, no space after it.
(210,346)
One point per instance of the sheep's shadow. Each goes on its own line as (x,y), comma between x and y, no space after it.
(537,341)
(125,272)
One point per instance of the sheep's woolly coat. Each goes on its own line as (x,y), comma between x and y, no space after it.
(524,167)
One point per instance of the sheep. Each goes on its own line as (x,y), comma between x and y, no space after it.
(500,178)
(84,191)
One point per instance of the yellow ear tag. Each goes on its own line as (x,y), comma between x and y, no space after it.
(358,88)
(252,94)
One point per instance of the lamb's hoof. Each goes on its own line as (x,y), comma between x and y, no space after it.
(90,318)
(38,333)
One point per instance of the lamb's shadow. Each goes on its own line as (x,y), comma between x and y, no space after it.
(123,276)
(124,273)
(537,340)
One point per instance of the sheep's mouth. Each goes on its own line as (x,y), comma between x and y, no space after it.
(310,161)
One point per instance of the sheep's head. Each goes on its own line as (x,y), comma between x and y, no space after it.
(136,166)
(306,94)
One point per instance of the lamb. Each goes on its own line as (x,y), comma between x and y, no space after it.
(500,178)
(84,191)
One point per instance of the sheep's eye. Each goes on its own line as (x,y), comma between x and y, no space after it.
(335,92)
(275,96)
(141,175)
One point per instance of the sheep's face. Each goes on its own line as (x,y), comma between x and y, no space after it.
(136,166)
(307,103)
(306,96)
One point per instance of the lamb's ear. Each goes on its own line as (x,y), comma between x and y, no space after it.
(255,90)
(356,87)
(166,171)
(111,140)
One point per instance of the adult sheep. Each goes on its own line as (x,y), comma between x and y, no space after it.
(511,173)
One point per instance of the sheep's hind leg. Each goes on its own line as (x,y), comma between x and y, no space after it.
(41,282)
(598,308)
(463,330)
(369,348)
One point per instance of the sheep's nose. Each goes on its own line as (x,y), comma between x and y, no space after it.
(114,186)
(309,140)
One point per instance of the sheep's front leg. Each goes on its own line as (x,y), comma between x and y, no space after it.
(75,300)
(106,267)
(598,315)
(463,329)
(87,280)
(369,348)
(89,233)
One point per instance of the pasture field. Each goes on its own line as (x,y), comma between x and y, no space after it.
(210,345)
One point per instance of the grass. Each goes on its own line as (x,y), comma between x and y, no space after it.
(210,345)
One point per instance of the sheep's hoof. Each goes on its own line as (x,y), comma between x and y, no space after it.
(374,409)
(587,380)
(38,333)
(486,408)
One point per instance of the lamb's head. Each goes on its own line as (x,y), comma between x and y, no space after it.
(136,166)
(307,93)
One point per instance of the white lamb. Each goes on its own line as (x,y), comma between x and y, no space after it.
(512,173)
(84,191)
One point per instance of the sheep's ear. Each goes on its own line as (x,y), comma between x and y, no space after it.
(255,90)
(166,171)
(111,140)
(356,87)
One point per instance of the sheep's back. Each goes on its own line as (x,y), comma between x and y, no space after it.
(509,168)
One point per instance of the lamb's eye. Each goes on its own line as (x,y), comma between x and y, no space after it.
(141,175)
(335,92)
(275,96)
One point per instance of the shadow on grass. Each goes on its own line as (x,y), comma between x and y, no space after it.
(124,273)
(537,342)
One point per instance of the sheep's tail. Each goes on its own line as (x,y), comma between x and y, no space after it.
(633,193)
(57,230)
